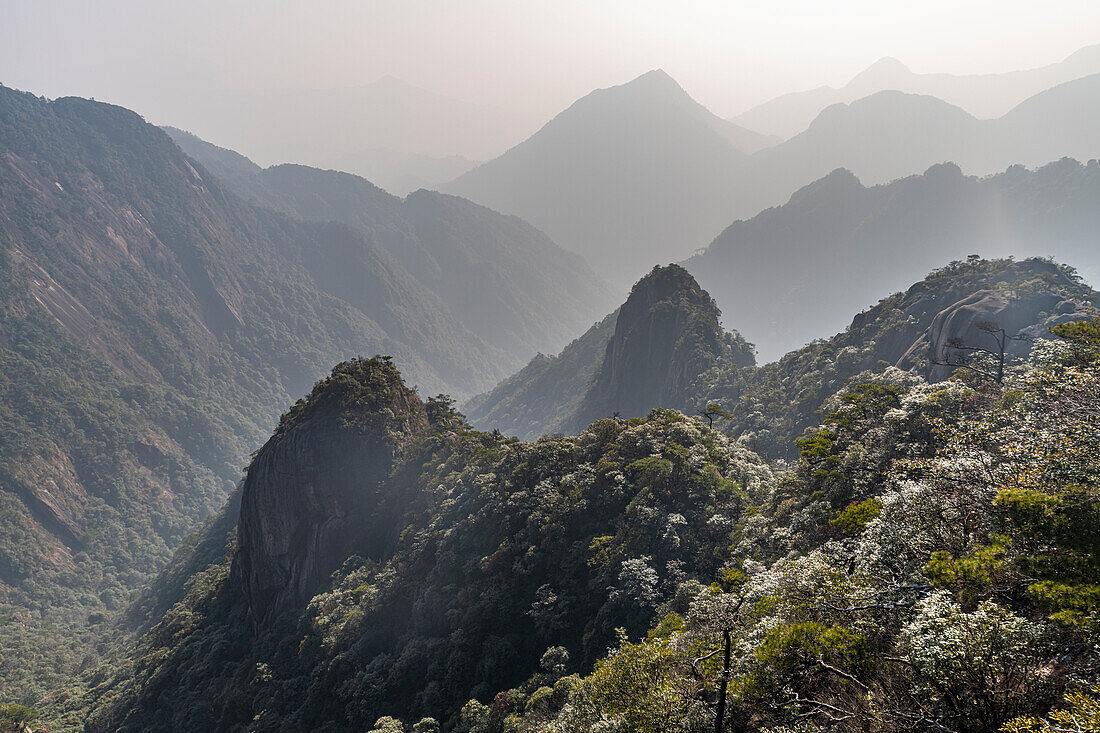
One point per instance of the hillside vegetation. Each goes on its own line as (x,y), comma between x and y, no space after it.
(924,563)
(769,406)
(152,327)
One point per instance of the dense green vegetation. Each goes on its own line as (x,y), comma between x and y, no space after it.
(771,405)
(929,563)
(152,327)
(926,563)
(919,553)
(507,548)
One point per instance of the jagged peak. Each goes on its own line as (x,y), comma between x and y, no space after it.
(654,78)
(654,84)
(840,180)
(364,392)
(663,282)
(884,71)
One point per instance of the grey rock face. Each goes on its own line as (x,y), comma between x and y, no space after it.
(667,334)
(310,497)
(1022,315)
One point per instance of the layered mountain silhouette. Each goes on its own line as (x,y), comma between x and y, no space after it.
(799,270)
(501,278)
(891,134)
(402,173)
(667,341)
(627,176)
(982,95)
(642,173)
(153,324)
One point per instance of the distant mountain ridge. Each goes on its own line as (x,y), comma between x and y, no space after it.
(640,173)
(402,173)
(890,134)
(501,278)
(982,95)
(322,125)
(602,177)
(837,243)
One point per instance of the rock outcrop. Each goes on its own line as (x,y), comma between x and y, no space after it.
(1016,315)
(310,497)
(667,334)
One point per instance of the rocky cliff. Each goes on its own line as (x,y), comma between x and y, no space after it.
(666,336)
(311,494)
(994,323)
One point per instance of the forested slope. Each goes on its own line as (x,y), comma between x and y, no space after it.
(923,562)
(152,326)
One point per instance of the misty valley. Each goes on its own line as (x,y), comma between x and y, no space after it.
(405,414)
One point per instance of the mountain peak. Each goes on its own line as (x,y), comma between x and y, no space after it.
(884,72)
(666,335)
(655,82)
(840,182)
(654,76)
(299,517)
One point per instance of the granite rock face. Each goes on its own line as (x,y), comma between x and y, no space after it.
(311,495)
(667,334)
(1023,312)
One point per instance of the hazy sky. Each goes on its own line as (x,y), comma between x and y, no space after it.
(531,57)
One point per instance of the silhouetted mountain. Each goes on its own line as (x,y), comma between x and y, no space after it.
(881,137)
(890,134)
(1061,121)
(982,95)
(501,278)
(152,325)
(772,404)
(625,176)
(402,173)
(796,271)
(641,173)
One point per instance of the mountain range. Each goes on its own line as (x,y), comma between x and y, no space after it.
(984,96)
(390,561)
(838,244)
(575,550)
(640,168)
(501,278)
(321,126)
(153,325)
(641,173)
